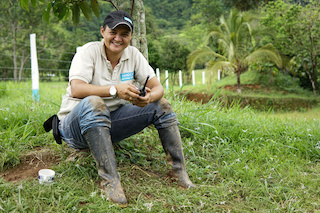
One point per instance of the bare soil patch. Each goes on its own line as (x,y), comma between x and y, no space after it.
(30,164)
(261,103)
(206,97)
(243,87)
(198,97)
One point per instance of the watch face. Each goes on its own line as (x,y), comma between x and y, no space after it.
(113,91)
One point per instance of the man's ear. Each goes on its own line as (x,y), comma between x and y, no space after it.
(102,31)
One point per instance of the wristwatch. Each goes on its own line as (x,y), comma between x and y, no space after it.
(113,91)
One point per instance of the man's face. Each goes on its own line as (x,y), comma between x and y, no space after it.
(116,40)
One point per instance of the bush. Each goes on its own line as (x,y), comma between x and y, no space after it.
(281,81)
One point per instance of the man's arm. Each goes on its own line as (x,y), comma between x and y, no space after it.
(80,89)
(156,88)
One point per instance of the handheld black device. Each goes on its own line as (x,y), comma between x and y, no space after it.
(143,89)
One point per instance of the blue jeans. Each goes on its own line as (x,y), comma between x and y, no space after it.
(125,121)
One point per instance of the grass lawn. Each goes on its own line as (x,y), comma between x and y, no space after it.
(240,160)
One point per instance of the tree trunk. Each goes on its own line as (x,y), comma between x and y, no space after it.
(314,88)
(238,82)
(14,51)
(20,71)
(139,39)
(312,82)
(313,66)
(270,77)
(140,36)
(313,79)
(22,62)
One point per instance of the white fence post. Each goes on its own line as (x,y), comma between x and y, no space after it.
(34,68)
(180,78)
(158,73)
(218,74)
(193,78)
(167,80)
(203,77)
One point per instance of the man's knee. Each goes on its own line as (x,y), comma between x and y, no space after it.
(94,113)
(165,106)
(165,115)
(96,103)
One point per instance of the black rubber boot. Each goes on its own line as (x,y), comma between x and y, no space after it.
(171,142)
(100,144)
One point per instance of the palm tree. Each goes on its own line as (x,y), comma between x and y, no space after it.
(236,47)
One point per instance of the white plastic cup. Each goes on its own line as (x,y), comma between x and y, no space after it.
(46,176)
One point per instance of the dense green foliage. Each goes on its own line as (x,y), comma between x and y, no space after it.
(56,41)
(296,34)
(282,25)
(170,14)
(237,47)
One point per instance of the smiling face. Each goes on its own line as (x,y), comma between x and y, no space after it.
(116,40)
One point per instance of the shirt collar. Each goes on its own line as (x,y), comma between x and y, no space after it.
(103,51)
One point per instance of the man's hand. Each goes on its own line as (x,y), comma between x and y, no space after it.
(131,93)
(154,91)
(143,101)
(127,92)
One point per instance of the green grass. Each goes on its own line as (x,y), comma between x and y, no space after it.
(240,160)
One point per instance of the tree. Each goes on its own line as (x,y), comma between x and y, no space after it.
(170,54)
(171,15)
(237,47)
(174,55)
(137,11)
(244,5)
(14,33)
(297,35)
(62,9)
(209,9)
(56,41)
(308,36)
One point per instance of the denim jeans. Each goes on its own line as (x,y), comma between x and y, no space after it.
(125,121)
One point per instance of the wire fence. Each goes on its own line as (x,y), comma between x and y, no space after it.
(15,62)
(54,64)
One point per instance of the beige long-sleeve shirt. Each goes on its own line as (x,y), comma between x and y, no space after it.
(90,64)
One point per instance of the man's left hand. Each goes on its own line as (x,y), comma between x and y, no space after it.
(143,101)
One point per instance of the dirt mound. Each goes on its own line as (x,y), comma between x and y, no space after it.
(206,97)
(40,158)
(243,87)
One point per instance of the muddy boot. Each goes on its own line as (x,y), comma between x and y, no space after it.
(100,144)
(171,142)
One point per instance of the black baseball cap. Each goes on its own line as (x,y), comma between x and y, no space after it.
(117,18)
